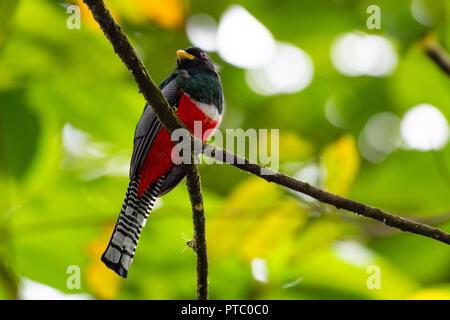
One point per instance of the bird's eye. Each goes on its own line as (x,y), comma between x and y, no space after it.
(203,55)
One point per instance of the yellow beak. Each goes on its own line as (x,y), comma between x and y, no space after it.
(184,55)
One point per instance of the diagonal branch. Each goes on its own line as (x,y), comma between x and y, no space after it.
(165,114)
(324,196)
(162,109)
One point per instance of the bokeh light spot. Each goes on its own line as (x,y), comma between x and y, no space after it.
(382,132)
(425,128)
(353,253)
(260,271)
(201,30)
(357,53)
(380,136)
(421,13)
(290,71)
(242,40)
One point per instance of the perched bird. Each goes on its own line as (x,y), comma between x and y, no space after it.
(194,90)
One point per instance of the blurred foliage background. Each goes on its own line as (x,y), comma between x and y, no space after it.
(362,113)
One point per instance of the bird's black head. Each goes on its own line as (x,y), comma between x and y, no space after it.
(194,58)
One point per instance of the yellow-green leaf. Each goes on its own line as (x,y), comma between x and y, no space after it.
(341,161)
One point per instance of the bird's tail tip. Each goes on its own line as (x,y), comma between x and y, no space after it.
(117,267)
(119,254)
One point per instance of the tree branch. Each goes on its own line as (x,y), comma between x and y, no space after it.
(437,53)
(378,230)
(198,217)
(166,115)
(324,196)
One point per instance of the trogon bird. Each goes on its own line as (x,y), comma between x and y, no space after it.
(194,90)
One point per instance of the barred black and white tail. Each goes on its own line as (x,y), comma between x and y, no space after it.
(133,216)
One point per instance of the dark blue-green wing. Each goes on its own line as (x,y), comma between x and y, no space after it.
(149,126)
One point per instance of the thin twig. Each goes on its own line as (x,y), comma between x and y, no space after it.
(377,230)
(326,197)
(165,114)
(437,53)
